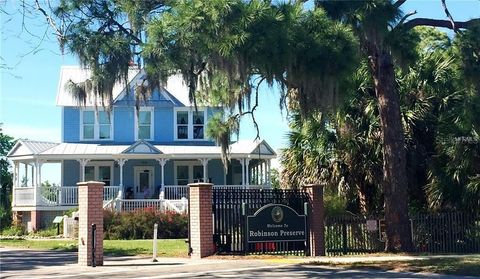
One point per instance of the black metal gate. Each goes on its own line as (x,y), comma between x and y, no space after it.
(230,223)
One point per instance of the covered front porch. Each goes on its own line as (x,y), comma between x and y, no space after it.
(136,176)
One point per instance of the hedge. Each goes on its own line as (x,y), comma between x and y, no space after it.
(139,224)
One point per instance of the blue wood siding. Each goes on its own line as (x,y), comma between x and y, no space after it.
(124,124)
(215,172)
(71,124)
(163,121)
(71,172)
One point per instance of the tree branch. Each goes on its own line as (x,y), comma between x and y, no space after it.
(49,19)
(399,3)
(440,23)
(449,15)
(405,17)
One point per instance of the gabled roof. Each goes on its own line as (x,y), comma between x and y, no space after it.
(257,147)
(142,147)
(29,148)
(175,90)
(78,74)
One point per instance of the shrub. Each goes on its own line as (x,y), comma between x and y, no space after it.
(139,224)
(51,231)
(14,230)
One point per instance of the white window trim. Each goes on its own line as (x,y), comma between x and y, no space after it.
(96,125)
(97,164)
(152,124)
(190,124)
(190,165)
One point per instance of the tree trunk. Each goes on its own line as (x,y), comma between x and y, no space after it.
(394,158)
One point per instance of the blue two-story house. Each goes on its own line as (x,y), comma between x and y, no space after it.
(145,156)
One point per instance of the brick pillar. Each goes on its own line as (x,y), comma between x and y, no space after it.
(201,221)
(316,216)
(90,211)
(35,220)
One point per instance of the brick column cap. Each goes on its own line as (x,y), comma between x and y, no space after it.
(91,183)
(312,185)
(200,184)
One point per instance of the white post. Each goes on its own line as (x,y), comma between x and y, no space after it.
(15,180)
(204,164)
(262,174)
(242,162)
(33,177)
(83,163)
(121,162)
(155,230)
(247,163)
(269,173)
(162,162)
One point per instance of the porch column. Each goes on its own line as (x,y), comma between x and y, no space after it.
(262,174)
(38,180)
(242,162)
(15,180)
(120,163)
(162,162)
(204,164)
(247,178)
(33,177)
(269,172)
(83,163)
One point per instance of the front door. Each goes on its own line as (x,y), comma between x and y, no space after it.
(143,182)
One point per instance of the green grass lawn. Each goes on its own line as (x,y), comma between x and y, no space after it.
(166,247)
(469,265)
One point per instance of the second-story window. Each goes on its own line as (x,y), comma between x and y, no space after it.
(145,124)
(96,125)
(190,125)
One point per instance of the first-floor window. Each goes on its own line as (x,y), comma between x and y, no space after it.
(188,172)
(98,172)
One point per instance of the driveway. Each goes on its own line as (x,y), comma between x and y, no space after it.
(16,263)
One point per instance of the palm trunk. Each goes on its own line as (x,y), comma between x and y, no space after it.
(394,160)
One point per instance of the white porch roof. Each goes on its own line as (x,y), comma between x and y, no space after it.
(140,149)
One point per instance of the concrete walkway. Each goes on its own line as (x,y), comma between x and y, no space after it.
(17,263)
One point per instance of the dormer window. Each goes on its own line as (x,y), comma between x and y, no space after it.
(144,121)
(190,124)
(95,125)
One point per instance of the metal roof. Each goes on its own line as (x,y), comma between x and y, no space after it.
(175,86)
(64,150)
(30,147)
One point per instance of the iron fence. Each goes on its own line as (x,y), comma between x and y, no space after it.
(230,223)
(447,232)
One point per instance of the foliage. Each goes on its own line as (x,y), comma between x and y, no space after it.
(440,119)
(6,181)
(139,224)
(14,230)
(275,178)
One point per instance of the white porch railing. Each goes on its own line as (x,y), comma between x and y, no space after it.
(24,196)
(56,196)
(176,192)
(179,206)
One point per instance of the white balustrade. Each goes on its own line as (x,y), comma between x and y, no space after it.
(110,192)
(141,204)
(24,196)
(176,192)
(56,196)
